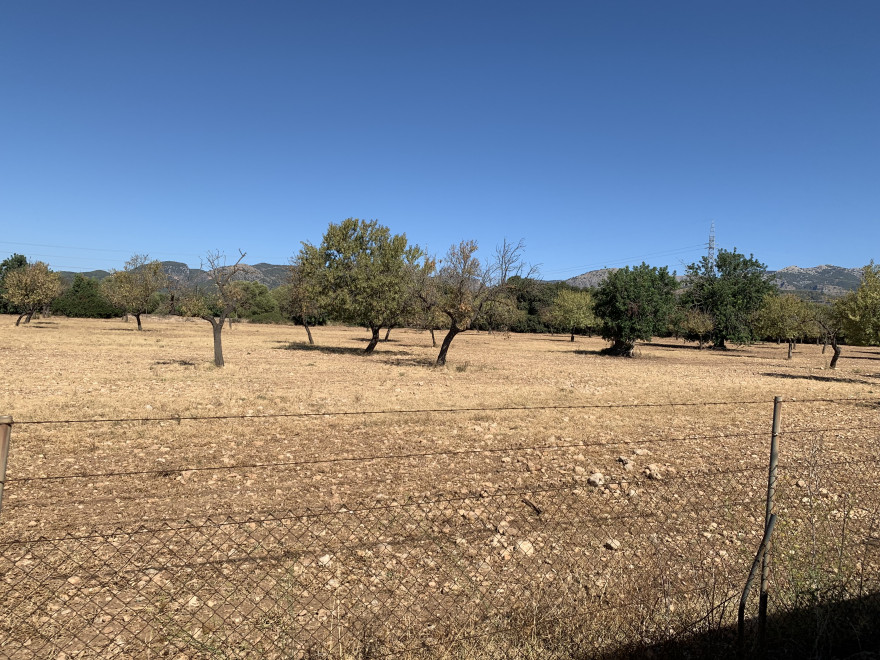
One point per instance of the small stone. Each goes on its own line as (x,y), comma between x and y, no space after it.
(801,483)
(525,547)
(641,452)
(612,544)
(579,470)
(323,561)
(502,527)
(653,471)
(74,580)
(596,479)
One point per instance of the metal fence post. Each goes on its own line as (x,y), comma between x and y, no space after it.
(771,506)
(5,435)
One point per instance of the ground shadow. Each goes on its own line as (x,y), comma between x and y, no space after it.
(687,347)
(409,361)
(821,379)
(130,330)
(586,351)
(180,363)
(334,350)
(845,629)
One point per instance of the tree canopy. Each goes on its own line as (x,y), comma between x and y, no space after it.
(31,288)
(730,290)
(11,263)
(859,310)
(360,271)
(634,304)
(134,289)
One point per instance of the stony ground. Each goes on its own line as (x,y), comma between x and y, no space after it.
(620,457)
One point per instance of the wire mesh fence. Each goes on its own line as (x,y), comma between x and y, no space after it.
(579,564)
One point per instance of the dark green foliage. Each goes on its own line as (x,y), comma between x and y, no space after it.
(84,299)
(534,298)
(730,291)
(634,304)
(11,263)
(254,300)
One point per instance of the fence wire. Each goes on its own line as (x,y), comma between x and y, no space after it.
(575,567)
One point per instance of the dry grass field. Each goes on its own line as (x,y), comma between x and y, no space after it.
(493,500)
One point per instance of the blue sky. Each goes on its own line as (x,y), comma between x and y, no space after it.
(600,133)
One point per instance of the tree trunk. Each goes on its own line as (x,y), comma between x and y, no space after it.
(28,317)
(138,317)
(444,347)
(622,348)
(309,333)
(373,341)
(433,339)
(217,327)
(824,345)
(836,355)
(572,335)
(790,349)
(387,332)
(20,317)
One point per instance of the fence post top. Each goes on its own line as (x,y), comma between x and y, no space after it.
(5,419)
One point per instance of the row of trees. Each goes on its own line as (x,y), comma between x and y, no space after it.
(361,273)
(730,300)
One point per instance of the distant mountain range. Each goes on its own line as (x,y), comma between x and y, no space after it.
(812,282)
(268,274)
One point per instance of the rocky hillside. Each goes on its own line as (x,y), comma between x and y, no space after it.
(812,282)
(269,274)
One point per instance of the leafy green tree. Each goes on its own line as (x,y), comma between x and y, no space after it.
(730,290)
(829,320)
(11,263)
(31,288)
(859,310)
(300,299)
(135,288)
(572,310)
(84,298)
(360,269)
(467,291)
(695,325)
(634,304)
(216,302)
(255,302)
(784,318)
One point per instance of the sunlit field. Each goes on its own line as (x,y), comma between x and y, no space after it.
(288,427)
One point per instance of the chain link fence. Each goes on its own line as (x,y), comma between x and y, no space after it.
(582,566)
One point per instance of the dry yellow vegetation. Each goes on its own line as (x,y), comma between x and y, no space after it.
(534,413)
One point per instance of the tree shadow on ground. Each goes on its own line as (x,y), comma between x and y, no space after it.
(687,347)
(843,629)
(821,379)
(587,351)
(409,361)
(334,350)
(129,330)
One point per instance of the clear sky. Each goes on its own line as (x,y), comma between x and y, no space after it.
(601,133)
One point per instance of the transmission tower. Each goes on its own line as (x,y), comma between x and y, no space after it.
(711,254)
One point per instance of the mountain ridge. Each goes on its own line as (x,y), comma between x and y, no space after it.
(826,279)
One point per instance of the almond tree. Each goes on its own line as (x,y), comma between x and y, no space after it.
(571,311)
(361,271)
(216,303)
(860,310)
(134,288)
(784,318)
(467,290)
(31,288)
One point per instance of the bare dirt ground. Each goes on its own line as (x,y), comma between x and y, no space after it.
(679,436)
